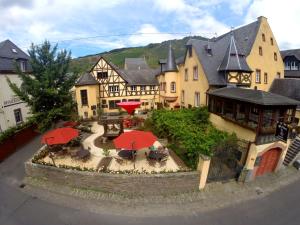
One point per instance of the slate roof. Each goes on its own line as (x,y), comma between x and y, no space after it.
(244,38)
(86,79)
(253,96)
(233,59)
(139,77)
(170,65)
(9,53)
(135,63)
(287,87)
(6,51)
(290,52)
(292,73)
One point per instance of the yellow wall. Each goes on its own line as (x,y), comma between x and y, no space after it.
(266,62)
(93,99)
(230,127)
(258,150)
(191,86)
(168,78)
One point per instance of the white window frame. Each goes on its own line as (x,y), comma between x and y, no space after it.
(195,73)
(152,87)
(113,88)
(143,87)
(23,66)
(133,88)
(258,76)
(197,99)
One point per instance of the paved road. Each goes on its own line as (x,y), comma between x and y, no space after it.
(18,208)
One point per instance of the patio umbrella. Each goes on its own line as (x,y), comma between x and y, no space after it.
(134,140)
(129,106)
(59,136)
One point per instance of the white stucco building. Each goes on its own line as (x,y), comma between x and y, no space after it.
(12,110)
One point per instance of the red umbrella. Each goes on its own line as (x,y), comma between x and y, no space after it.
(135,140)
(129,106)
(59,136)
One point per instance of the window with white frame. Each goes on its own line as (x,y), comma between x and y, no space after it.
(294,66)
(113,88)
(197,99)
(258,76)
(173,87)
(23,66)
(152,87)
(287,65)
(186,75)
(195,72)
(143,88)
(133,88)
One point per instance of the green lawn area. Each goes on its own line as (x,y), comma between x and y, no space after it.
(189,133)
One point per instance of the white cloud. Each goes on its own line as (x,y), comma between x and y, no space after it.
(283,17)
(149,34)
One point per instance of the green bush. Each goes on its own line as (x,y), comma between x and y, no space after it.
(189,132)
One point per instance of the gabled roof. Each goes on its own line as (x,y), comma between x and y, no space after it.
(135,63)
(290,52)
(11,51)
(287,87)
(86,79)
(244,38)
(139,77)
(253,96)
(234,60)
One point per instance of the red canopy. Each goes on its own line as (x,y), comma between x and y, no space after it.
(129,106)
(59,136)
(135,140)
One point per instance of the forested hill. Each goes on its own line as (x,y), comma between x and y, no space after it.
(152,53)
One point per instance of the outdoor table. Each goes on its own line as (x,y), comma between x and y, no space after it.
(83,153)
(156,155)
(126,154)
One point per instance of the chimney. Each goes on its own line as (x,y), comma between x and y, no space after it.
(261,18)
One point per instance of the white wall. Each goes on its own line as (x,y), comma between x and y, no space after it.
(9,102)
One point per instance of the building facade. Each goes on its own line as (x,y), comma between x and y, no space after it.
(13,111)
(106,85)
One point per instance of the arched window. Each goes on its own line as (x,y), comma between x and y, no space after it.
(173,87)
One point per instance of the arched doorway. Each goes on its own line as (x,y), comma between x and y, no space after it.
(269,161)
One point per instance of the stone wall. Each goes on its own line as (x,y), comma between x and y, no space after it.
(129,184)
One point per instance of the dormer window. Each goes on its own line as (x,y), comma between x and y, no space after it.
(14,50)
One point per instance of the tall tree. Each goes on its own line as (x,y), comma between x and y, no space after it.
(47,89)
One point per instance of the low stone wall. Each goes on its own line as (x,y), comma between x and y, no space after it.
(129,184)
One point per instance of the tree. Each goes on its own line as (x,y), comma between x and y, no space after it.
(47,89)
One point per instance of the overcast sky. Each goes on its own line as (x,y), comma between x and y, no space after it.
(92,26)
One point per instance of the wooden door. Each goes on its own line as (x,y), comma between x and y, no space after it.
(269,161)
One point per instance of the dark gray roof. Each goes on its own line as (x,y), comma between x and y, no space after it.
(11,51)
(253,96)
(170,65)
(139,77)
(292,73)
(233,59)
(135,63)
(287,87)
(244,39)
(290,52)
(86,79)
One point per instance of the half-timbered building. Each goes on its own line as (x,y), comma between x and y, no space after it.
(105,85)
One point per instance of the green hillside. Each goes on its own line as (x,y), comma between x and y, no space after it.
(152,53)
